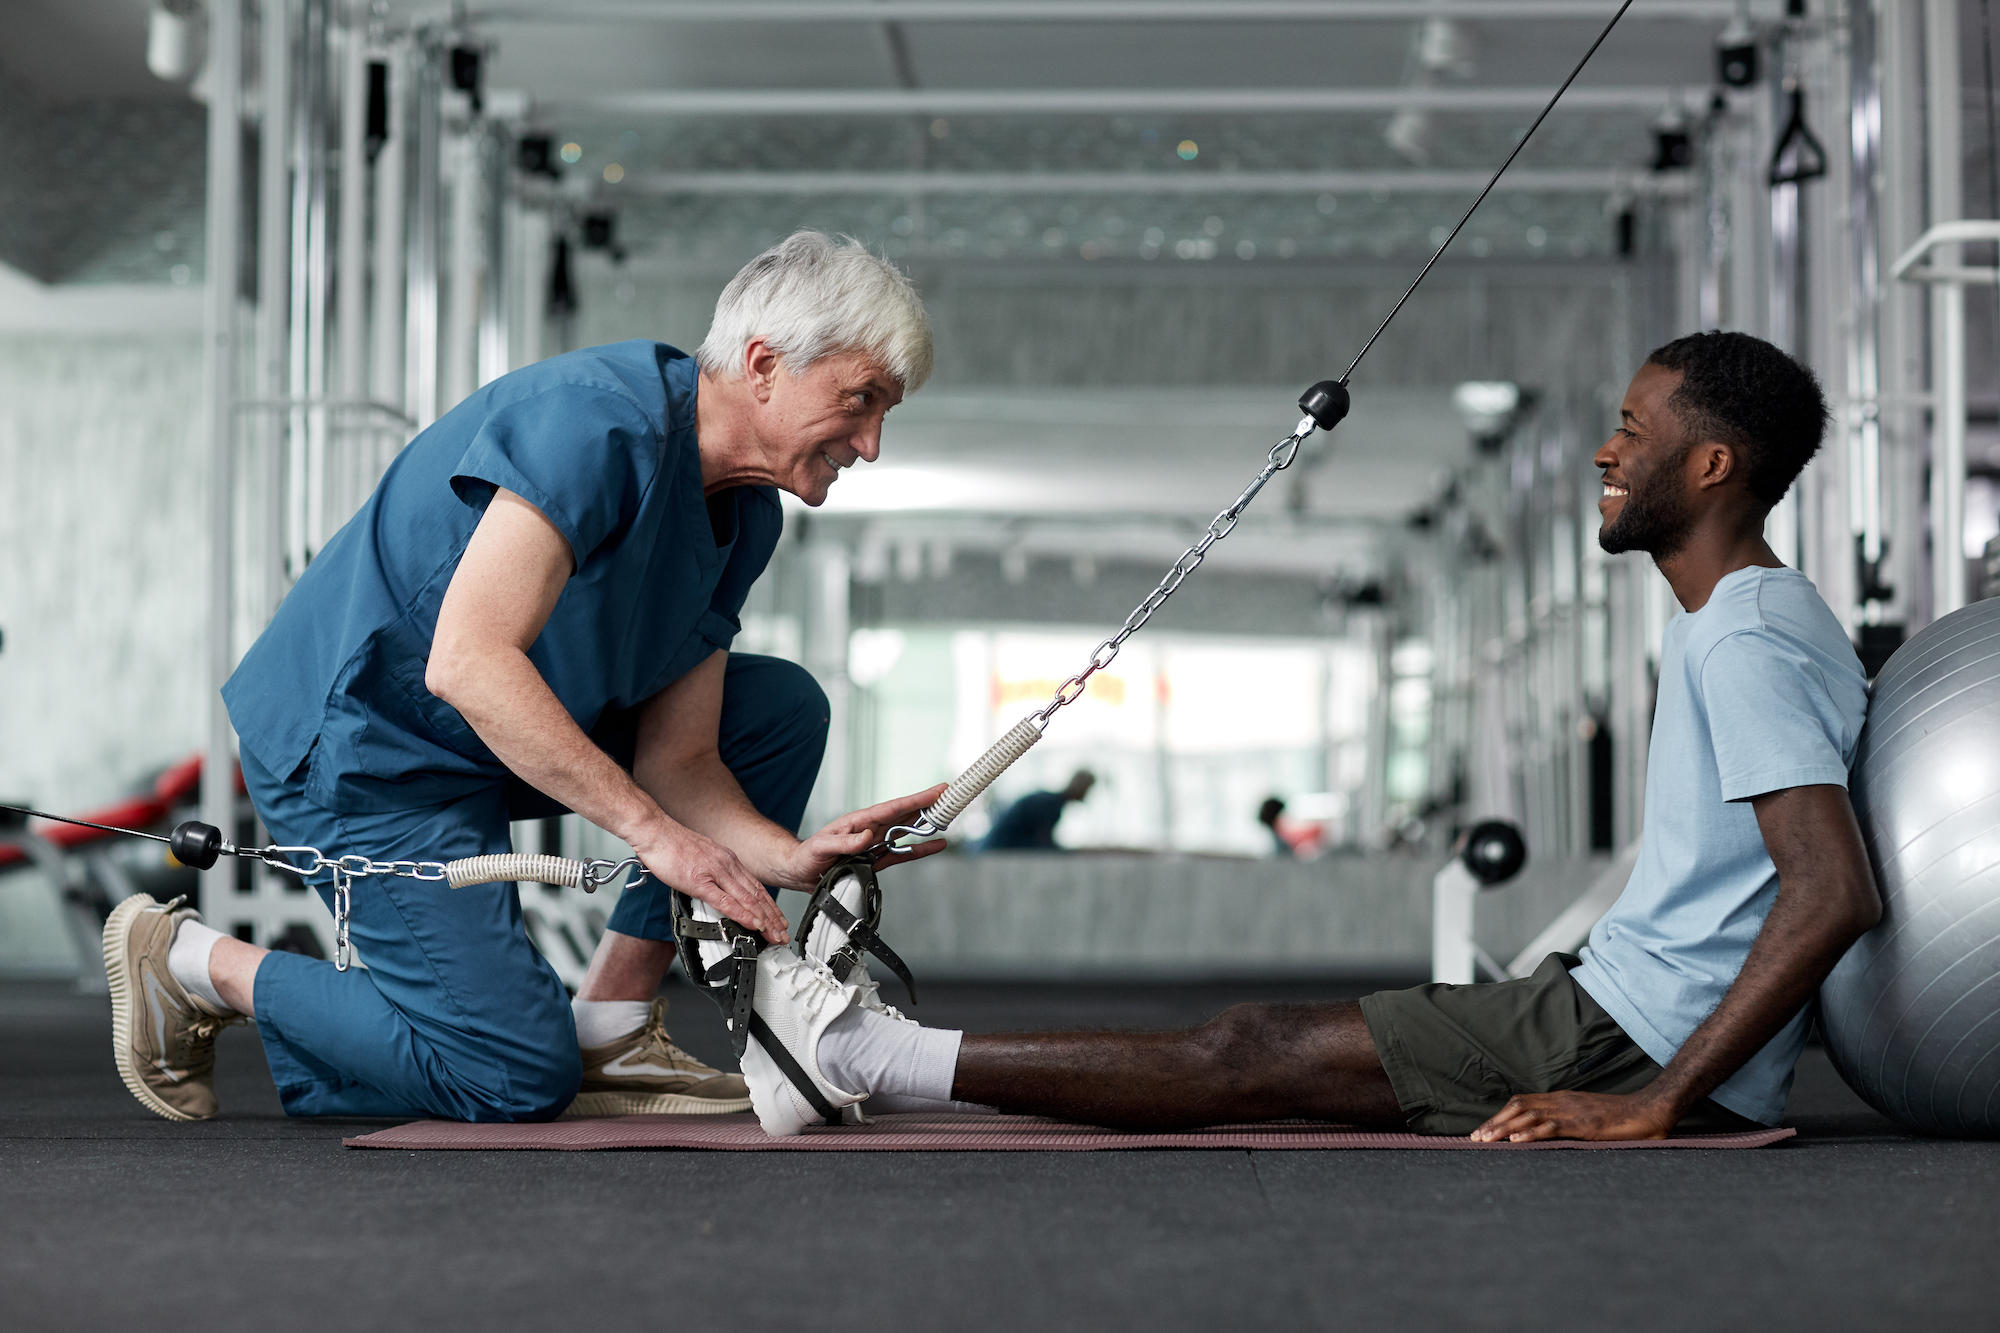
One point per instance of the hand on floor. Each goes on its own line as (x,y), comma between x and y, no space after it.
(1578,1115)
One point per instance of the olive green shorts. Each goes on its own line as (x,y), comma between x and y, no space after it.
(1455,1054)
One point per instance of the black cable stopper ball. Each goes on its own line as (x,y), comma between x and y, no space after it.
(195,844)
(1326,403)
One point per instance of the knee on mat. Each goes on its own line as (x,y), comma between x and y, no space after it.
(521,1084)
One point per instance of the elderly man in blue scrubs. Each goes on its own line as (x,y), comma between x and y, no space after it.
(534,612)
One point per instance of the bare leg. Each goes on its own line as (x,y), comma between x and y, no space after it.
(625,967)
(232,970)
(1252,1062)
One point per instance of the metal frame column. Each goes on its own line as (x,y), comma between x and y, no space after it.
(225,177)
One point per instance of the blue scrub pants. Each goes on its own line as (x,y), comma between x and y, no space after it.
(457,1015)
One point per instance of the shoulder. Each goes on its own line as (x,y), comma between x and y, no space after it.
(1777,626)
(1757,605)
(621,379)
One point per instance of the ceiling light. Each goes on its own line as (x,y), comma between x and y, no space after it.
(1487,408)
(170,39)
(1445,47)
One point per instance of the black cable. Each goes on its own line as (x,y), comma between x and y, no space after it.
(1491,183)
(84,823)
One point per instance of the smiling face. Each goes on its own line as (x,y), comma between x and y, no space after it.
(1645,504)
(817,423)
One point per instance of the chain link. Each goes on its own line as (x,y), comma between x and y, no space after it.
(307,862)
(1283,455)
(343,889)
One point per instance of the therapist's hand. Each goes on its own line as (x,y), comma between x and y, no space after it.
(703,868)
(852,834)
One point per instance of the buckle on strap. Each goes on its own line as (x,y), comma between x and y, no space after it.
(862,936)
(730,982)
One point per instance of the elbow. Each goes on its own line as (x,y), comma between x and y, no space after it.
(1867,909)
(443,675)
(1864,909)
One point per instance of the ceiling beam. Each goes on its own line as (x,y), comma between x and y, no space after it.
(1088,11)
(1142,182)
(1099,101)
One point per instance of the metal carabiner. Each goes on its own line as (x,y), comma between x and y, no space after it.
(598,872)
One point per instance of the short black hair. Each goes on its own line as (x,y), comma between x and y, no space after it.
(1743,392)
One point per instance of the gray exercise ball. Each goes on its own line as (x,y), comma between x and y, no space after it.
(1912,1013)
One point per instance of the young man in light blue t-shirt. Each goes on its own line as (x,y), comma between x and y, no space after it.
(1688,1007)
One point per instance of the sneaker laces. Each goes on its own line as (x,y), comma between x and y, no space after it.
(207,1026)
(868,994)
(653,1040)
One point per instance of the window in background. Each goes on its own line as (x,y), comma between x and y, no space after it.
(1187,734)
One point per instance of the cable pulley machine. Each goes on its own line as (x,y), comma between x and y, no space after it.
(719,955)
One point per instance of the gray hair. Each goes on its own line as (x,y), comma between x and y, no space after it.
(810,296)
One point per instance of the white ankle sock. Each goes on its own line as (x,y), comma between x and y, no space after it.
(187,960)
(601,1021)
(862,1051)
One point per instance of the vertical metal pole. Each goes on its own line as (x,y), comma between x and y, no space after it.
(225,177)
(529,255)
(390,379)
(315,164)
(496,226)
(1902,194)
(1833,314)
(351,429)
(1947,312)
(467,246)
(1373,822)
(274,257)
(428,133)
(298,457)
(1863,236)
(827,630)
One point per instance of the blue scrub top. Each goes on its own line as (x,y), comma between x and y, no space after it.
(602,442)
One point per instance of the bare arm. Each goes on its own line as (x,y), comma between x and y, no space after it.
(680,766)
(1826,900)
(498,600)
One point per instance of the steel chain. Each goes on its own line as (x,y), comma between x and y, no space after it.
(306,862)
(1282,456)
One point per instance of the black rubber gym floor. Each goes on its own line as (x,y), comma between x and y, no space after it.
(111,1218)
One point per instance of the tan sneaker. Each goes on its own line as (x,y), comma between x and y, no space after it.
(162,1036)
(644,1073)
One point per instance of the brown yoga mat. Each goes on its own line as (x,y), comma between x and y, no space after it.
(953,1133)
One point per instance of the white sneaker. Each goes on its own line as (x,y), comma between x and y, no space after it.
(796,999)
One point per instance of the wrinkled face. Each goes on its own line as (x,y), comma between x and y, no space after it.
(1645,502)
(821,421)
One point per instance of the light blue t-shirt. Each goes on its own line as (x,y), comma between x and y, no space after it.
(1759,690)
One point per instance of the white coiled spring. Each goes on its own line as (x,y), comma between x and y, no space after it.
(977,778)
(557,870)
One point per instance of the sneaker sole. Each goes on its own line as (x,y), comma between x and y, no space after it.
(652,1103)
(116,974)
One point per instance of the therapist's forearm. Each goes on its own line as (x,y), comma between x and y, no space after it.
(698,790)
(506,702)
